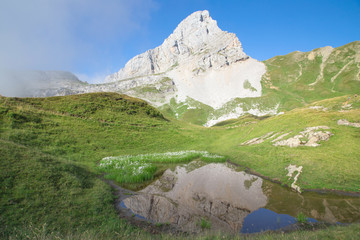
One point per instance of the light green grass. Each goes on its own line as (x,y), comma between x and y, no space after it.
(51,149)
(141,168)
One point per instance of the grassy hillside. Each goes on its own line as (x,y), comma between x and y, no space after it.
(86,128)
(50,149)
(335,164)
(291,81)
(299,78)
(44,191)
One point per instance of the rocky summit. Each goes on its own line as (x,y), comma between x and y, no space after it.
(203,62)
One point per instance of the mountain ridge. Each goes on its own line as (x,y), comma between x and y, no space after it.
(210,80)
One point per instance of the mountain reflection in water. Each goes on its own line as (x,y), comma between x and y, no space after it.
(214,192)
(220,195)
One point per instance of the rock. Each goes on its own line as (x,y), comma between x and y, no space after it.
(291,142)
(312,138)
(259,139)
(310,129)
(347,106)
(319,108)
(312,142)
(199,55)
(309,137)
(197,38)
(347,123)
(291,170)
(280,137)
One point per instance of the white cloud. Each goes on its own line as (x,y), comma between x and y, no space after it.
(94,78)
(56,34)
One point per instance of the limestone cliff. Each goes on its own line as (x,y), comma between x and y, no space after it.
(204,63)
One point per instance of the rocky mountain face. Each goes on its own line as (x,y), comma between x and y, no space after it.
(201,74)
(204,63)
(197,40)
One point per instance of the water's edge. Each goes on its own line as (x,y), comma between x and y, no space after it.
(320,191)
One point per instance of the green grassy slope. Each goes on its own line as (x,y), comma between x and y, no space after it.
(86,128)
(304,77)
(50,148)
(38,189)
(335,164)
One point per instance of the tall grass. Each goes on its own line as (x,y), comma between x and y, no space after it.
(127,169)
(140,168)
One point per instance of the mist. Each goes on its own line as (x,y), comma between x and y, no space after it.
(69,35)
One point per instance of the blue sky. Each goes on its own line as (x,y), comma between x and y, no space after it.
(93,38)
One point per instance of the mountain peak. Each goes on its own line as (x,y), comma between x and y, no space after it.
(197,39)
(195,30)
(200,15)
(198,18)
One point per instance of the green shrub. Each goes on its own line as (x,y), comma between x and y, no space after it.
(302,218)
(204,224)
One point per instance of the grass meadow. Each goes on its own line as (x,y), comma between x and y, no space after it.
(52,151)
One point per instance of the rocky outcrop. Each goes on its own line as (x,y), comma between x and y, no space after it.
(259,139)
(347,123)
(309,138)
(291,170)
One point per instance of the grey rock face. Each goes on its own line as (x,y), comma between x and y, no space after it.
(204,62)
(198,39)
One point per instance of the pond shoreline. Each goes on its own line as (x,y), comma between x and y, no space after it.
(121,193)
(124,213)
(320,191)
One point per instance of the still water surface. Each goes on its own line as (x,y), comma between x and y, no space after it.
(231,200)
